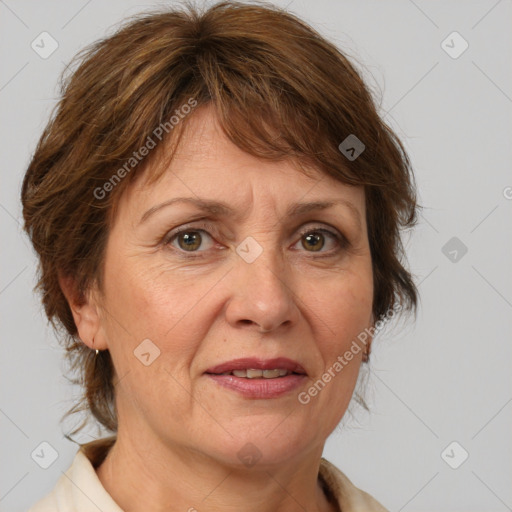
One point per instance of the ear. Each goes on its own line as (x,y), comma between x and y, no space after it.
(369,344)
(86,313)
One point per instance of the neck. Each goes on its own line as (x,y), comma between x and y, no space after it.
(141,479)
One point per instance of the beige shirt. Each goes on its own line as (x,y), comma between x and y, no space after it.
(80,490)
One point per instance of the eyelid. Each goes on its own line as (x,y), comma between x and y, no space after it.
(209,228)
(204,226)
(339,237)
(323,228)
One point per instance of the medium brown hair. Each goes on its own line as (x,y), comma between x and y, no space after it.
(280,91)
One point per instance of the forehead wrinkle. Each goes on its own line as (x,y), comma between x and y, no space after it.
(221,209)
(299,209)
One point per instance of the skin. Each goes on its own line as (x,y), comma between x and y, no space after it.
(179,432)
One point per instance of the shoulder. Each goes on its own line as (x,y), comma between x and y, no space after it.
(60,498)
(349,497)
(79,488)
(46,504)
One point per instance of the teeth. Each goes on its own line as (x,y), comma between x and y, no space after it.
(271,374)
(254,374)
(240,373)
(257,374)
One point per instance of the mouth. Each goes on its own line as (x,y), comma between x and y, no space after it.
(259,378)
(255,368)
(254,373)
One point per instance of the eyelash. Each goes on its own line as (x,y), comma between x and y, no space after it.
(341,240)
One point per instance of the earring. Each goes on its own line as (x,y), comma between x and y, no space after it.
(93,345)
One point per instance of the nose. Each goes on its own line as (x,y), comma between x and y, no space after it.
(262,296)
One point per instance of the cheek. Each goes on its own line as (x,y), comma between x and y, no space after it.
(343,307)
(341,313)
(149,304)
(156,303)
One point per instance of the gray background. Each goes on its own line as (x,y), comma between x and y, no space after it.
(445,378)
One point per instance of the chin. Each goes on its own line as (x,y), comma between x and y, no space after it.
(263,440)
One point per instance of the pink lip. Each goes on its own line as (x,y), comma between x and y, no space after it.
(259,388)
(258,364)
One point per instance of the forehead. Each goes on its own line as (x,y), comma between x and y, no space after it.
(207,165)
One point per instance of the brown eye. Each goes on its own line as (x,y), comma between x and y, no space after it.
(190,240)
(313,241)
(322,241)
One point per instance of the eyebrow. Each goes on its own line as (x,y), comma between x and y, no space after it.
(221,209)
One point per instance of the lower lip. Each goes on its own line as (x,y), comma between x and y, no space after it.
(259,388)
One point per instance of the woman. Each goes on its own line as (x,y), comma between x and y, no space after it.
(216,206)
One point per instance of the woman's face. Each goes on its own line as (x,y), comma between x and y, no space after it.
(261,282)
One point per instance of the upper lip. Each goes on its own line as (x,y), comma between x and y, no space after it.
(255,363)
